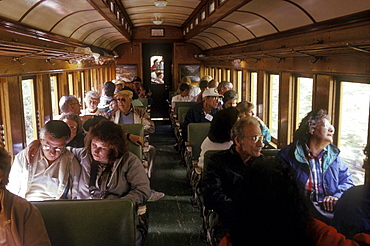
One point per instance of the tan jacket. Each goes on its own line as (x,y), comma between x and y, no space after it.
(140,117)
(23,222)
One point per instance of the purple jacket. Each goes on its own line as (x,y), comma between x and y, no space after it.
(336,177)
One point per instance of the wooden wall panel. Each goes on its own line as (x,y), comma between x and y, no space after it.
(286,109)
(16,114)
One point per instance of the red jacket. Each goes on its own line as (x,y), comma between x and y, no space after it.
(323,235)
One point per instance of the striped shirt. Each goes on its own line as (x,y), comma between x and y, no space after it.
(315,180)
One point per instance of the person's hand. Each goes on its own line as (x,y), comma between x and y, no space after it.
(32,149)
(136,139)
(329,203)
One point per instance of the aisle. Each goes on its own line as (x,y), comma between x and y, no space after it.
(172,220)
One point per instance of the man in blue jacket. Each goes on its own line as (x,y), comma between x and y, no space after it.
(316,164)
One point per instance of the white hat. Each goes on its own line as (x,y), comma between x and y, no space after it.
(212,92)
(118,82)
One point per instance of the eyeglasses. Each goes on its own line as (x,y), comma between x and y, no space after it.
(121,99)
(49,149)
(72,127)
(255,139)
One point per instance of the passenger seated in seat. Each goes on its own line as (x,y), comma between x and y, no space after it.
(77,133)
(53,172)
(202,112)
(184,95)
(316,163)
(20,222)
(219,133)
(110,171)
(128,114)
(270,210)
(226,169)
(246,109)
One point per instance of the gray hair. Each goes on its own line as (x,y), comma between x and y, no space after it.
(91,94)
(308,124)
(224,84)
(64,103)
(237,130)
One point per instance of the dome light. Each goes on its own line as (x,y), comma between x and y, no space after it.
(157,20)
(160,3)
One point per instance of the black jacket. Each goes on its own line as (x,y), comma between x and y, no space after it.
(221,181)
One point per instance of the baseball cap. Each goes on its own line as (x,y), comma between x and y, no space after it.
(212,92)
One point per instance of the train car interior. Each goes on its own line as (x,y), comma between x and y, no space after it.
(287,57)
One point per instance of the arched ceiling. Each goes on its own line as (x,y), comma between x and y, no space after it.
(209,24)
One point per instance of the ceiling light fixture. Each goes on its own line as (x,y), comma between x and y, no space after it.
(160,3)
(157,20)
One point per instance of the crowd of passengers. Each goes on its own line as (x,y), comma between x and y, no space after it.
(293,199)
(81,155)
(301,197)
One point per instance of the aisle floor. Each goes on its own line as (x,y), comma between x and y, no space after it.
(172,219)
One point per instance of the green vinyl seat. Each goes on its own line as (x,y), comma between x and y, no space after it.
(89,222)
(136,129)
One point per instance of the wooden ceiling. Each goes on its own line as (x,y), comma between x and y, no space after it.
(208,24)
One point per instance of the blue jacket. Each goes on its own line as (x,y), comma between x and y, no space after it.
(336,177)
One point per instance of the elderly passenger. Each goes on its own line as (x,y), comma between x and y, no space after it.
(20,221)
(245,110)
(316,164)
(53,173)
(229,99)
(92,99)
(202,112)
(226,169)
(128,114)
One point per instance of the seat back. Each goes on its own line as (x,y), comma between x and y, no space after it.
(181,113)
(89,222)
(136,129)
(269,153)
(197,132)
(183,104)
(144,101)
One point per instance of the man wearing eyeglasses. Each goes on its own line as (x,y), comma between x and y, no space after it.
(52,173)
(224,171)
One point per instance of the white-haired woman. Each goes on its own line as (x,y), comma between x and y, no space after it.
(92,99)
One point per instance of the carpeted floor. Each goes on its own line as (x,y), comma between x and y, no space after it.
(172,219)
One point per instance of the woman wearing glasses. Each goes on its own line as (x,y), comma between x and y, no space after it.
(75,125)
(225,170)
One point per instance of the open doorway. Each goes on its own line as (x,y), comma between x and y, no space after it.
(157,75)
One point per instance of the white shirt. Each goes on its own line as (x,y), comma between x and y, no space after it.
(179,98)
(209,145)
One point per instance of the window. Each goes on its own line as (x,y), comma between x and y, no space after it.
(54,95)
(211,7)
(157,69)
(239,80)
(29,111)
(353,126)
(253,91)
(203,14)
(274,105)
(304,98)
(70,84)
